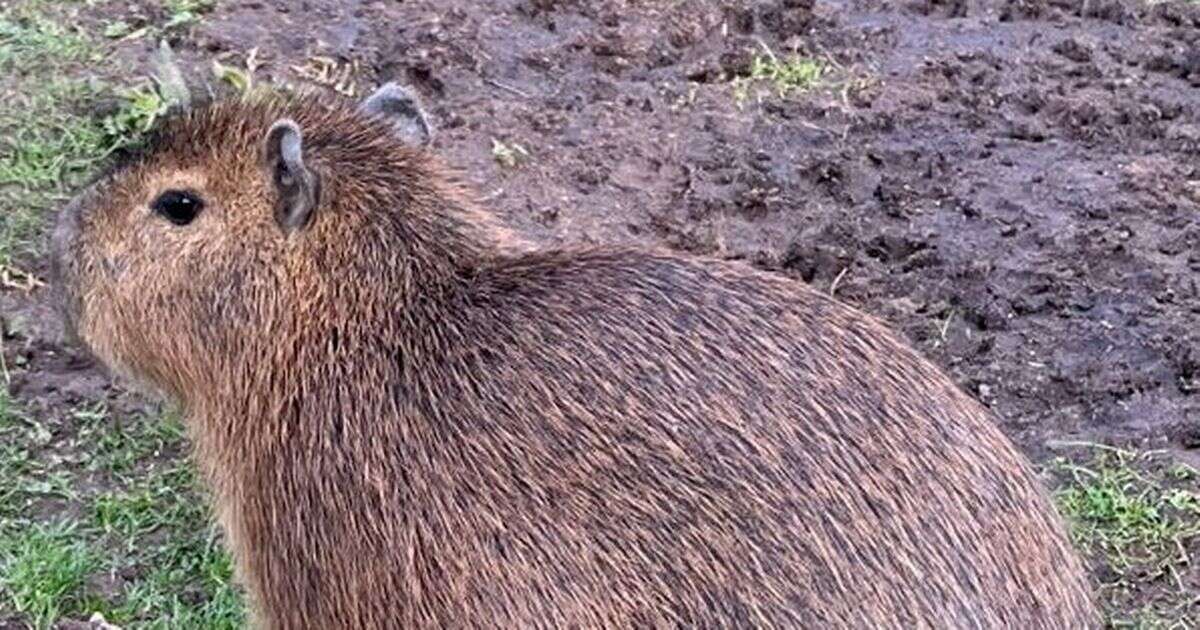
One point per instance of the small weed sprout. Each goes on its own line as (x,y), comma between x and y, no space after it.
(185,12)
(786,76)
(508,155)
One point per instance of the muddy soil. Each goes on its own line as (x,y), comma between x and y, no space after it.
(1012,183)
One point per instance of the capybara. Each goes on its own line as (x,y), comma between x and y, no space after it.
(407,421)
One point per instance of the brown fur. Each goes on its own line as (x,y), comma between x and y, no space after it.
(406,426)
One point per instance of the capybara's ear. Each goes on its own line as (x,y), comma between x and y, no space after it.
(298,188)
(402,109)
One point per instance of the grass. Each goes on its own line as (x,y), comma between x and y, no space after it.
(119,446)
(191,588)
(123,531)
(510,154)
(30,39)
(185,12)
(160,528)
(1138,516)
(39,142)
(44,569)
(785,75)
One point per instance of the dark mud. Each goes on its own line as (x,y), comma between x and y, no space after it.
(1013,183)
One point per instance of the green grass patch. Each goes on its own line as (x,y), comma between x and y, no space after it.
(17,464)
(105,514)
(43,570)
(787,75)
(783,75)
(1125,515)
(161,499)
(1137,515)
(161,530)
(184,12)
(30,40)
(119,445)
(187,584)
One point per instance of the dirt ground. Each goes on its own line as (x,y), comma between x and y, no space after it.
(1012,183)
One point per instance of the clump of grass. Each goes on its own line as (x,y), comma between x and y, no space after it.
(510,154)
(184,582)
(188,583)
(143,528)
(1127,516)
(43,570)
(185,12)
(142,106)
(29,40)
(1130,512)
(785,75)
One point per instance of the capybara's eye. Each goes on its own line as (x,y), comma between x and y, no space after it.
(178,206)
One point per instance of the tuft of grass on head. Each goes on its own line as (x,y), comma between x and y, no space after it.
(1138,516)
(43,570)
(141,107)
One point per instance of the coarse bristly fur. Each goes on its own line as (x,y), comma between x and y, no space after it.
(410,420)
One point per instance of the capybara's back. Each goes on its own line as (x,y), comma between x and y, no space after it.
(408,423)
(662,441)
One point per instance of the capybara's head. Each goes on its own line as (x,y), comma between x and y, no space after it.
(237,214)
